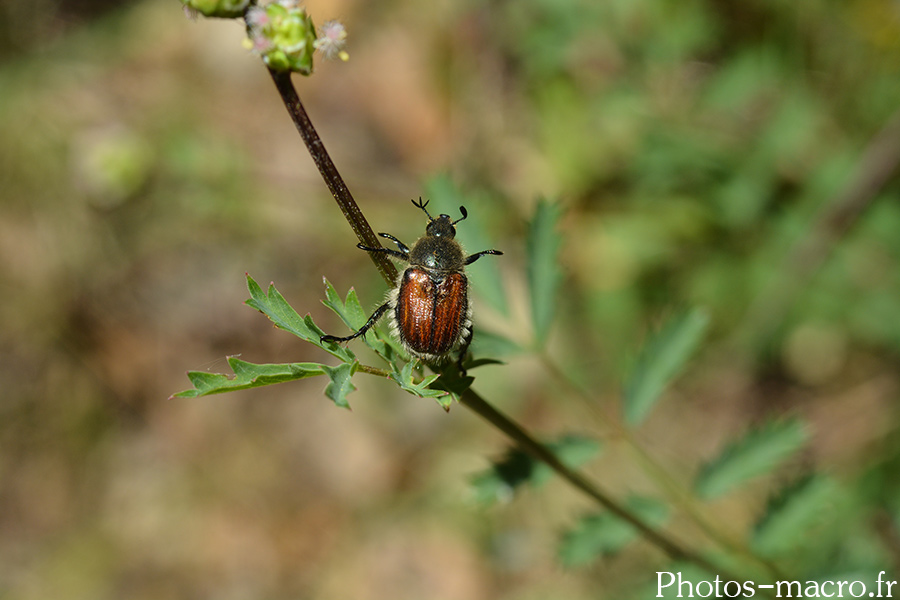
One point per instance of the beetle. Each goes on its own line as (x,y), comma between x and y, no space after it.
(430,311)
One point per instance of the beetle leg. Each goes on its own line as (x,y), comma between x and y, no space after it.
(393,253)
(403,247)
(362,330)
(473,257)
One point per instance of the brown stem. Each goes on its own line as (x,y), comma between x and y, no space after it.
(330,174)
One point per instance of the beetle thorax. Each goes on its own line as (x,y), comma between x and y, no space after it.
(437,254)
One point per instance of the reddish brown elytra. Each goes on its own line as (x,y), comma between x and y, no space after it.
(430,306)
(431,316)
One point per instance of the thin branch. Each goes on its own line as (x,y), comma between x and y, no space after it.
(330,174)
(477,404)
(374,371)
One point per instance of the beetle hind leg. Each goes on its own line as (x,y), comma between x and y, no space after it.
(362,330)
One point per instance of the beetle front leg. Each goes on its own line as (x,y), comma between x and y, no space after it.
(362,330)
(472,258)
(403,247)
(393,253)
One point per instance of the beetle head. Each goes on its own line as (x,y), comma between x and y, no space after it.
(442,226)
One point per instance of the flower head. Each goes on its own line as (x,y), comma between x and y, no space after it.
(332,40)
(283,34)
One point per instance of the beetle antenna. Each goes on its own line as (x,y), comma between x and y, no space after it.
(422,205)
(462,209)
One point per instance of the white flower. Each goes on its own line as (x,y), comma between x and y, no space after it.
(332,40)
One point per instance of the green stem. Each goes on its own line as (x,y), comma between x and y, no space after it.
(527,443)
(374,371)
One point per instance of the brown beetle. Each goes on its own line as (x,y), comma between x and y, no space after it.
(430,305)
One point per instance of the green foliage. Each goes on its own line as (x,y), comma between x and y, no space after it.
(544,275)
(517,468)
(340,384)
(603,534)
(687,185)
(760,451)
(660,361)
(697,145)
(354,316)
(247,375)
(272,304)
(404,378)
(794,515)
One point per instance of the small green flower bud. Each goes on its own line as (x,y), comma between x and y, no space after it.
(226,9)
(283,34)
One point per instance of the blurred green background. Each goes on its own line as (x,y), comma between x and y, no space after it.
(739,156)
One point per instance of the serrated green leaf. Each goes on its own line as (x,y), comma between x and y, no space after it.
(759,452)
(500,482)
(405,378)
(794,513)
(350,311)
(661,360)
(605,534)
(544,274)
(341,382)
(247,375)
(453,381)
(273,305)
(352,314)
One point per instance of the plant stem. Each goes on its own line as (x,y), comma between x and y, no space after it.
(330,174)
(523,439)
(469,398)
(374,371)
